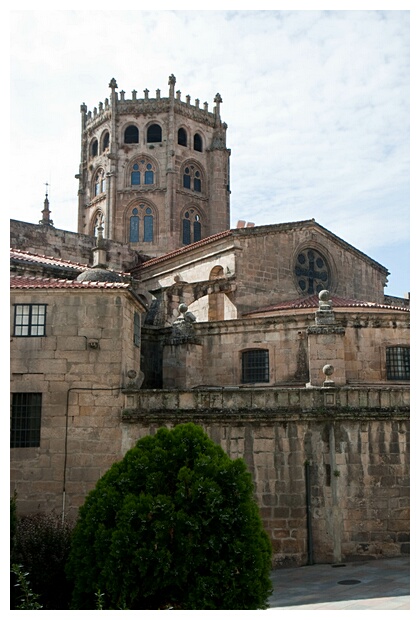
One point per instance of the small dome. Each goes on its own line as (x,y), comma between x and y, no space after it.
(98,274)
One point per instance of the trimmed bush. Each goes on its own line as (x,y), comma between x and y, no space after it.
(172,525)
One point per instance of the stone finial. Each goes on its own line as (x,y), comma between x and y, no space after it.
(146,93)
(134,95)
(328,370)
(325,300)
(172,80)
(197,103)
(113,84)
(178,95)
(83,108)
(324,315)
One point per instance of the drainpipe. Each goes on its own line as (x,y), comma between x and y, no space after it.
(67,435)
(309,512)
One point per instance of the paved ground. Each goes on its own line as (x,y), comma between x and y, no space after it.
(374,584)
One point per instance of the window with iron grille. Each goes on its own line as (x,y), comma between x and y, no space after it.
(255,367)
(26,420)
(30,319)
(398,363)
(136,337)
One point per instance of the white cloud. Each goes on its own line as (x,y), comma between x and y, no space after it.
(317,104)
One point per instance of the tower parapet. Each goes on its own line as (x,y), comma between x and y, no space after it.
(155,104)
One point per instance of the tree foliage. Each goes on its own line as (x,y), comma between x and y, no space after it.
(172,525)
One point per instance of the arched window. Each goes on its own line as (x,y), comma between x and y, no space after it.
(154,133)
(141,224)
(105,142)
(143,173)
(100,182)
(182,136)
(98,223)
(197,181)
(131,135)
(198,142)
(134,226)
(149,175)
(148,226)
(94,148)
(192,178)
(191,227)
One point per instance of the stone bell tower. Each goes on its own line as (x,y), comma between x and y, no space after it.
(154,171)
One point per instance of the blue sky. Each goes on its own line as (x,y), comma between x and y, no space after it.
(317,104)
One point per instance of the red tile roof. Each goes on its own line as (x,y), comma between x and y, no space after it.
(187,248)
(41,259)
(337,302)
(28,282)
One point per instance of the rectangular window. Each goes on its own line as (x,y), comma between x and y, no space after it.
(30,319)
(136,337)
(255,367)
(26,420)
(398,363)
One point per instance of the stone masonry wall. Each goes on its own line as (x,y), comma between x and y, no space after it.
(353,443)
(79,367)
(68,245)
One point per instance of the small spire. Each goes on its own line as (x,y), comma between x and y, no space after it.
(46,220)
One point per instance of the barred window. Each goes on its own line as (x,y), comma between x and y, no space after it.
(398,363)
(30,319)
(26,420)
(255,366)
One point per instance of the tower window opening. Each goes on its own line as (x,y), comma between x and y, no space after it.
(105,142)
(198,143)
(154,133)
(98,223)
(182,136)
(192,179)
(197,182)
(100,183)
(191,227)
(141,224)
(142,173)
(131,135)
(187,178)
(94,148)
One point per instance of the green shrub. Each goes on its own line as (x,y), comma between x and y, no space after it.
(172,525)
(26,598)
(41,549)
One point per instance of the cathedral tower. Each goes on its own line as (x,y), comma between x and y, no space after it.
(154,171)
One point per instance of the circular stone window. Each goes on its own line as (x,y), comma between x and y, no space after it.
(312,272)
